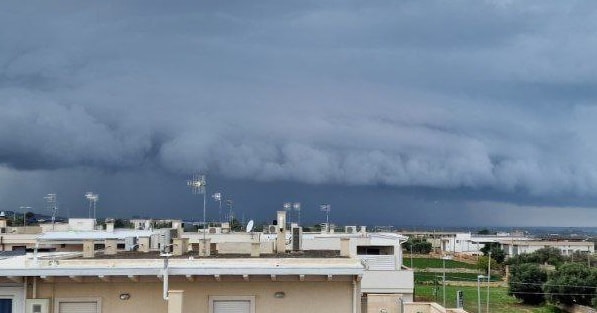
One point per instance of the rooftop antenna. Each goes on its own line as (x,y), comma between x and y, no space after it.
(229,204)
(197,184)
(297,207)
(326,208)
(218,197)
(51,204)
(93,198)
(288,208)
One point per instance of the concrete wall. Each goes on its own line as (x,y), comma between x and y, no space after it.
(306,296)
(428,307)
(388,282)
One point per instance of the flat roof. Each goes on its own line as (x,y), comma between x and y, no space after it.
(51,264)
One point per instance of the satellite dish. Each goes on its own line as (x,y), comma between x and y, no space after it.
(250,226)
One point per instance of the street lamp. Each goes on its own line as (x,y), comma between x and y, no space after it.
(488,278)
(479,292)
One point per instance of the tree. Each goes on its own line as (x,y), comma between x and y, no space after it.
(418,245)
(572,283)
(484,231)
(496,252)
(235,225)
(551,256)
(483,262)
(526,282)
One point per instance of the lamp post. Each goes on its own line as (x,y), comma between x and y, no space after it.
(488,278)
(479,277)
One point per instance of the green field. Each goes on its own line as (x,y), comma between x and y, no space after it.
(430,277)
(437,263)
(499,301)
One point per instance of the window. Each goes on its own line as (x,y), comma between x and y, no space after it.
(78,305)
(375,250)
(11,300)
(232,304)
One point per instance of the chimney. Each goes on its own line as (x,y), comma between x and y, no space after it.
(88,249)
(143,244)
(281,232)
(110,225)
(344,246)
(2,220)
(110,246)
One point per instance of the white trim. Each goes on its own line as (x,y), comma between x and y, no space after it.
(98,300)
(251,299)
(16,295)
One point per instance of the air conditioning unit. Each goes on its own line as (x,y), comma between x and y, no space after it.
(350,229)
(37,305)
(213,230)
(272,229)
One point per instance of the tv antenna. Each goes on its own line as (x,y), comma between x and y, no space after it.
(51,204)
(297,207)
(218,197)
(93,198)
(288,208)
(326,208)
(197,184)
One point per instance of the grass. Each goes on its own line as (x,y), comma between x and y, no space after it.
(430,277)
(437,263)
(499,300)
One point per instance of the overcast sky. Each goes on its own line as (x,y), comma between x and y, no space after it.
(394,112)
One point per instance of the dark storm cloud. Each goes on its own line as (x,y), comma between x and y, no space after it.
(473,94)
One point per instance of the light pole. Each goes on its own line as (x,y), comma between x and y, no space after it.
(488,278)
(444,258)
(479,277)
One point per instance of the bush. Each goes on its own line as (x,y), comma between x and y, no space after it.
(417,245)
(572,283)
(526,282)
(551,256)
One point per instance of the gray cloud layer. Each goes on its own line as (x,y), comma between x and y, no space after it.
(480,94)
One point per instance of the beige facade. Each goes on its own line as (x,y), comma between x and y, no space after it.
(146,294)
